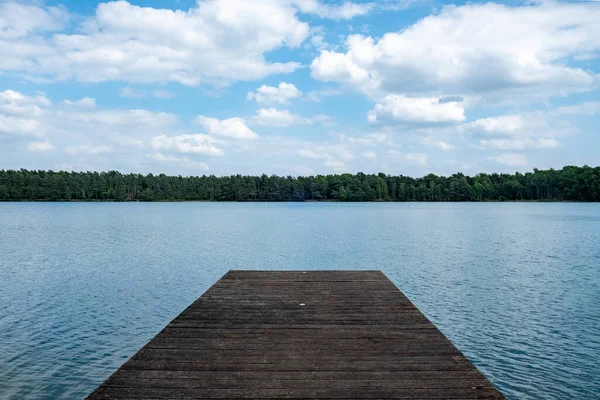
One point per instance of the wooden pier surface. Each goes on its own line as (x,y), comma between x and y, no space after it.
(295,334)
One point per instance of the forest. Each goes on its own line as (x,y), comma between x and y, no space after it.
(570,183)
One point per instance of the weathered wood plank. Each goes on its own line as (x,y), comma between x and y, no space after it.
(299,334)
(110,392)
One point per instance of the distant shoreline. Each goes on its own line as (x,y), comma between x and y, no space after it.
(569,184)
(295,201)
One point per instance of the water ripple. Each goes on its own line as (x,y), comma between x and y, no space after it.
(514,286)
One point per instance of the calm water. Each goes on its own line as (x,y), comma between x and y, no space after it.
(515,286)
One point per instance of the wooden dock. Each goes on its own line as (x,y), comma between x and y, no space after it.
(295,334)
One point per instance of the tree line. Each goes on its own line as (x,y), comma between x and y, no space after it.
(567,184)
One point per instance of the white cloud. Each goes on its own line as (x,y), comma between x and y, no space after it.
(86,102)
(525,130)
(304,170)
(40,146)
(15,103)
(20,114)
(18,20)
(331,66)
(269,94)
(63,167)
(233,128)
(89,138)
(324,120)
(436,143)
(416,158)
(180,161)
(370,139)
(120,121)
(346,10)
(318,41)
(583,109)
(282,118)
(506,124)
(489,50)
(334,155)
(319,95)
(162,94)
(87,149)
(529,130)
(18,126)
(144,141)
(399,108)
(369,154)
(335,164)
(131,92)
(510,160)
(100,139)
(217,42)
(398,5)
(312,155)
(520,143)
(139,93)
(410,158)
(198,143)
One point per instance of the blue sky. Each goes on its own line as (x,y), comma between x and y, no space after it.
(299,87)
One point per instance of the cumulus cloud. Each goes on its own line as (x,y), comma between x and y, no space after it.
(40,146)
(18,126)
(162,94)
(233,128)
(280,94)
(139,93)
(335,164)
(75,132)
(310,154)
(131,92)
(81,138)
(398,108)
(218,41)
(416,158)
(87,149)
(507,124)
(346,10)
(18,20)
(331,66)
(179,161)
(86,102)
(324,120)
(520,143)
(529,130)
(436,143)
(282,118)
(15,103)
(410,158)
(510,159)
(333,156)
(319,95)
(21,114)
(215,42)
(318,41)
(90,138)
(369,154)
(370,139)
(488,50)
(198,143)
(589,108)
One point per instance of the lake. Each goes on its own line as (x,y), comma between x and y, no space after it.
(516,286)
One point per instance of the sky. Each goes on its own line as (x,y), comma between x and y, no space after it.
(299,87)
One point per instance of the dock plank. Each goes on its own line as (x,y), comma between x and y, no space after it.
(299,334)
